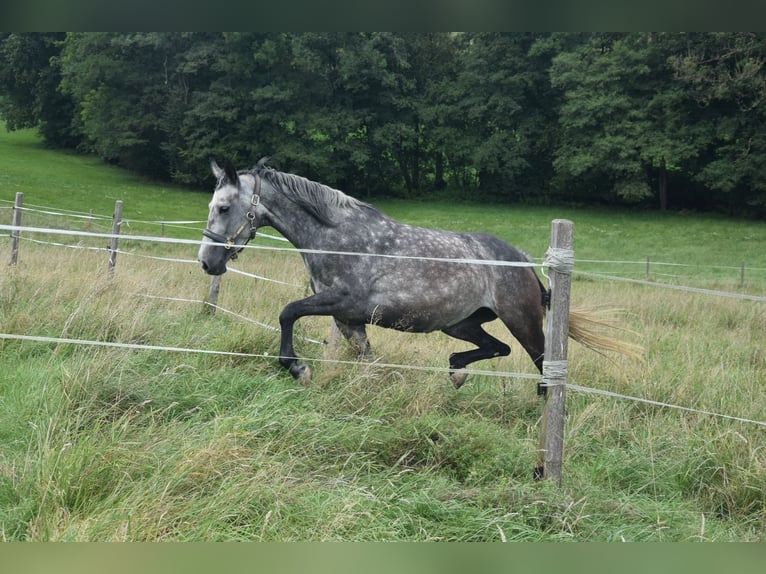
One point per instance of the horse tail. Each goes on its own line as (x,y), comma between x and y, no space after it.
(596,328)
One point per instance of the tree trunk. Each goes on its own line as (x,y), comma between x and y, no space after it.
(416,161)
(439,182)
(405,171)
(663,187)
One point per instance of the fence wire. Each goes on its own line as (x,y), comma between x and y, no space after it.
(170,240)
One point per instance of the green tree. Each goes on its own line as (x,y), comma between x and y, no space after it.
(623,120)
(319,103)
(215,113)
(125,87)
(386,82)
(668,119)
(352,108)
(725,75)
(29,81)
(501,107)
(642,110)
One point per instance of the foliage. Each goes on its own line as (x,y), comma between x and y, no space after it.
(639,103)
(658,119)
(726,75)
(29,81)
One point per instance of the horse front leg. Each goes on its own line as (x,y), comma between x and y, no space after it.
(320,304)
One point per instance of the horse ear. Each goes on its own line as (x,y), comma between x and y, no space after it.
(217,171)
(231,172)
(262,162)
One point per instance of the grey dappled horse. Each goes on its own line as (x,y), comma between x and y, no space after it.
(404,286)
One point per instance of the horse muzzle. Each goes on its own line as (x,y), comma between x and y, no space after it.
(213,258)
(213,269)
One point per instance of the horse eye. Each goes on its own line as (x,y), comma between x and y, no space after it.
(223,208)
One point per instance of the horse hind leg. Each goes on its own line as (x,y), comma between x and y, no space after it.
(529,333)
(470,330)
(356,335)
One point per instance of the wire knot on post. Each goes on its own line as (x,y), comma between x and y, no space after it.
(560,259)
(554,373)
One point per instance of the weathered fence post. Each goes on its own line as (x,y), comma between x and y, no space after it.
(16,223)
(212,298)
(116,224)
(742,275)
(560,260)
(648,267)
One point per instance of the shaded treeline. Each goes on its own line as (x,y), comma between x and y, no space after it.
(668,120)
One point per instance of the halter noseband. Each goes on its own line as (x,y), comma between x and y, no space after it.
(229,242)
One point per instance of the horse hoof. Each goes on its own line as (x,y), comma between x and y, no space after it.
(305,377)
(301,373)
(458,378)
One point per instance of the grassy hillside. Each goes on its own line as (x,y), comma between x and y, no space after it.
(84,183)
(103,443)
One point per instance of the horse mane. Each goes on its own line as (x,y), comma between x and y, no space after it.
(321,201)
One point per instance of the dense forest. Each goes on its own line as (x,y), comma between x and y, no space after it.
(660,120)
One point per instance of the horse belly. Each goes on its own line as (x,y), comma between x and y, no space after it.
(424,308)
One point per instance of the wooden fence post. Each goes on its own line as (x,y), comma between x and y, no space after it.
(560,259)
(212,298)
(742,275)
(116,224)
(16,223)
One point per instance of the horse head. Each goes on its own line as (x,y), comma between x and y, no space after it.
(233,217)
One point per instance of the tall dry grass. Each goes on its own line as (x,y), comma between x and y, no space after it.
(118,444)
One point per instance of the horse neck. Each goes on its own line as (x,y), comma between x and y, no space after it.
(297,226)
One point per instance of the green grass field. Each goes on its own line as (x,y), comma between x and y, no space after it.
(103,443)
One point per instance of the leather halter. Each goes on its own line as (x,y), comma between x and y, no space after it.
(229,242)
